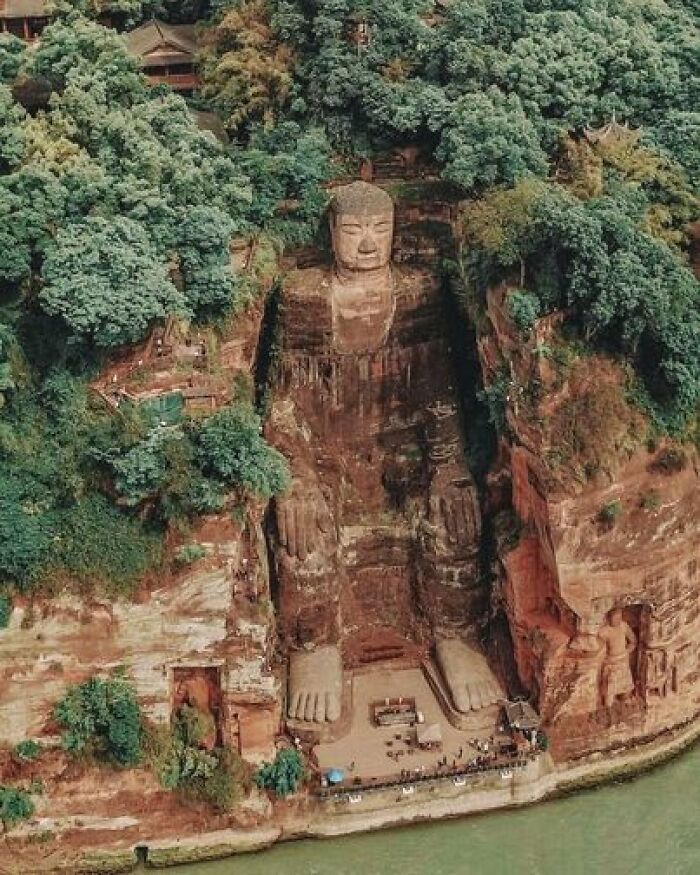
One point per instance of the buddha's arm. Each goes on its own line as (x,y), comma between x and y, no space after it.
(304,520)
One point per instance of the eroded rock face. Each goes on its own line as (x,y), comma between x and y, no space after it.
(196,640)
(376,544)
(202,636)
(601,591)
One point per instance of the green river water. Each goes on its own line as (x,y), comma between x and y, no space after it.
(646,826)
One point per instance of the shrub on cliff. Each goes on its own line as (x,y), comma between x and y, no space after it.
(221,788)
(15,806)
(99,544)
(27,750)
(624,290)
(101,718)
(54,527)
(284,775)
(213,776)
(231,448)
(610,513)
(5,611)
(185,470)
(495,398)
(188,554)
(524,308)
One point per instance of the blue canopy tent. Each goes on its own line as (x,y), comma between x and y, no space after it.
(335,776)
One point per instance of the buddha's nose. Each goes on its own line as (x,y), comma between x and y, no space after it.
(367,245)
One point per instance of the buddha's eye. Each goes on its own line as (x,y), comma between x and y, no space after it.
(353,230)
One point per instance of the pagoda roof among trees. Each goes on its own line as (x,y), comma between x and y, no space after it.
(160,42)
(611,132)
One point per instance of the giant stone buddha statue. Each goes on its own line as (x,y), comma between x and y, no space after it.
(376,542)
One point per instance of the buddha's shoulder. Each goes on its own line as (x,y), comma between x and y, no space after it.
(310,284)
(415,282)
(307,283)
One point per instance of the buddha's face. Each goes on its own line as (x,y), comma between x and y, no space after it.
(362,243)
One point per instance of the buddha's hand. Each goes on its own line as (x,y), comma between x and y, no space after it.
(304,522)
(453,510)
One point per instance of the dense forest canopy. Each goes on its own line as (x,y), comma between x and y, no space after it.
(116,211)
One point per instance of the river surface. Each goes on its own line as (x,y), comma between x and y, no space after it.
(646,826)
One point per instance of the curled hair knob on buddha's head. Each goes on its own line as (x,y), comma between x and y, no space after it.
(361,199)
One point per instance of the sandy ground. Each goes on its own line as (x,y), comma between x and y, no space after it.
(369,746)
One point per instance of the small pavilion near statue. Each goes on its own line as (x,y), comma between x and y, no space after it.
(612,132)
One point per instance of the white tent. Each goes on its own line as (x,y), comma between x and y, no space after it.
(430,735)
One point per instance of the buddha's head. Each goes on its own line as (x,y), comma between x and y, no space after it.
(362,229)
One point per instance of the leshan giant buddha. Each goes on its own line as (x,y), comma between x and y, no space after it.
(376,542)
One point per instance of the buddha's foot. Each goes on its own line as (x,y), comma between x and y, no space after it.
(471,682)
(315,685)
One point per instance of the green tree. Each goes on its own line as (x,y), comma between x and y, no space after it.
(5,611)
(231,448)
(162,470)
(490,141)
(104,279)
(127,13)
(524,309)
(370,90)
(25,532)
(288,164)
(143,472)
(678,134)
(96,543)
(102,717)
(209,283)
(12,51)
(27,750)
(15,806)
(284,775)
(246,70)
(74,47)
(213,776)
(625,289)
(8,346)
(12,140)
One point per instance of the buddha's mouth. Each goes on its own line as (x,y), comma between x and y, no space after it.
(368,258)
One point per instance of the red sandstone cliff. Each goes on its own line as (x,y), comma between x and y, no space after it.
(606,521)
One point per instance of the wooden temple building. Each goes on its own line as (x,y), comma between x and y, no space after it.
(166,53)
(23,18)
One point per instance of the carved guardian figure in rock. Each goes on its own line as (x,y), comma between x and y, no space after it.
(616,674)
